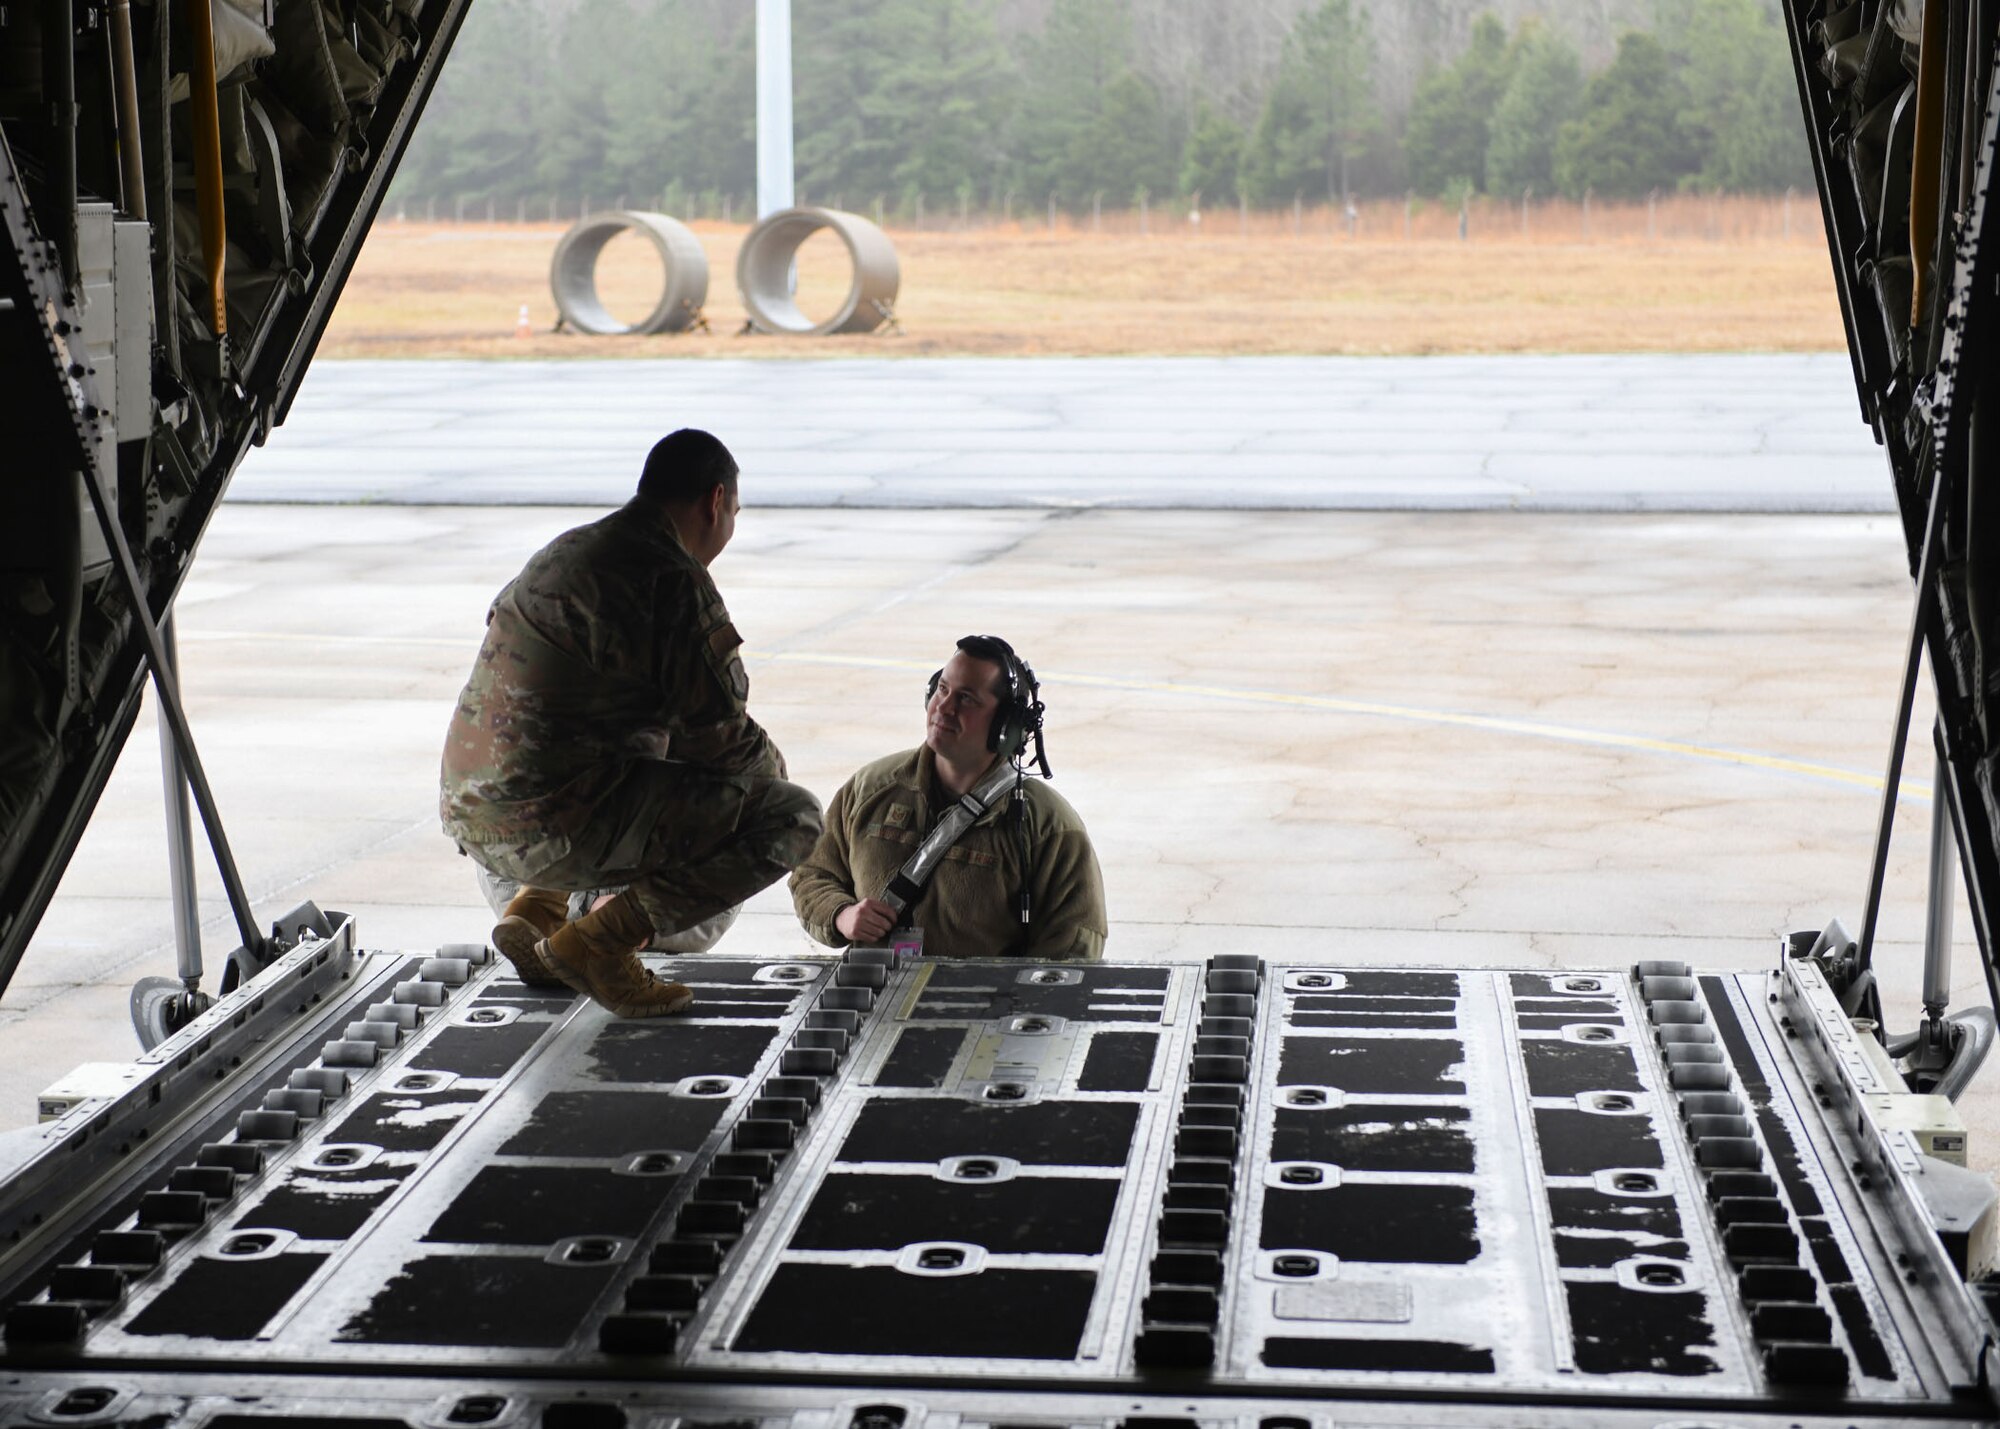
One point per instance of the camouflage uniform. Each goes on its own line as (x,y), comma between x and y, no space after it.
(602,738)
(877,819)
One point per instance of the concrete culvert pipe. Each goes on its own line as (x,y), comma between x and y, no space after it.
(764,272)
(573,273)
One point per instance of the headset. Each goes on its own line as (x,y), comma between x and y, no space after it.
(1019,716)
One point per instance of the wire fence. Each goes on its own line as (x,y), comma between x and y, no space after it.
(1674,218)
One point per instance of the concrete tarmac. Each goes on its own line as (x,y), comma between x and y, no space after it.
(1697,432)
(1477,739)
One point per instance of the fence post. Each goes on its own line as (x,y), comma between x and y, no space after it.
(1097,212)
(1526,194)
(1652,198)
(1409,209)
(1242,214)
(521,210)
(431,209)
(1586,213)
(1052,211)
(1298,211)
(1144,227)
(458,209)
(920,208)
(1464,217)
(878,210)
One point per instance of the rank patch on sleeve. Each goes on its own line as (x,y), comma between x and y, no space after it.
(724,645)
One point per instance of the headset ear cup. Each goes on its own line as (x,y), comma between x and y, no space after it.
(1008,732)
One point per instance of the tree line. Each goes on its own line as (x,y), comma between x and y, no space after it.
(971,103)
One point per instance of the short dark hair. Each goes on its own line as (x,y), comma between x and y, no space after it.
(685,466)
(995,651)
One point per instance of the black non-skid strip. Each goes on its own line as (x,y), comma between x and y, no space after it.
(1119,1062)
(921,1058)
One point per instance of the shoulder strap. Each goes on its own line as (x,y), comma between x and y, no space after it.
(911,879)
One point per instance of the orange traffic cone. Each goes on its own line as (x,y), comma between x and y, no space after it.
(522,328)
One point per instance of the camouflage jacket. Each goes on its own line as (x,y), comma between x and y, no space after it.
(878,818)
(612,645)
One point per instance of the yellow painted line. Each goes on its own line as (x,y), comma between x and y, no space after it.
(469,644)
(1602,739)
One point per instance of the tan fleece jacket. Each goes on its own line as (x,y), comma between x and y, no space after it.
(880,816)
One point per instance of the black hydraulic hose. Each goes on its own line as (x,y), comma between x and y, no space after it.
(1979,1027)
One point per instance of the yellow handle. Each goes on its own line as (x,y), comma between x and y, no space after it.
(207,154)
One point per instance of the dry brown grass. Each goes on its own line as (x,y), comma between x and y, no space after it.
(1693,275)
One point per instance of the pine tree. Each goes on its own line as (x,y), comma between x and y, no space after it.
(943,100)
(1541,96)
(1083,48)
(1742,112)
(480,129)
(575,127)
(1320,111)
(1125,147)
(960,97)
(841,56)
(720,112)
(681,105)
(1626,137)
(1446,137)
(1213,155)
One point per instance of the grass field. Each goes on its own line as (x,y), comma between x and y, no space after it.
(1689,274)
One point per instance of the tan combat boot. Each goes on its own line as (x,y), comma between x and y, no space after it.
(597,955)
(532,914)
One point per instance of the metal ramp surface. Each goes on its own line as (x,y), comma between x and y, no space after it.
(1008,1184)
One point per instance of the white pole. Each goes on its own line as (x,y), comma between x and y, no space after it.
(774,106)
